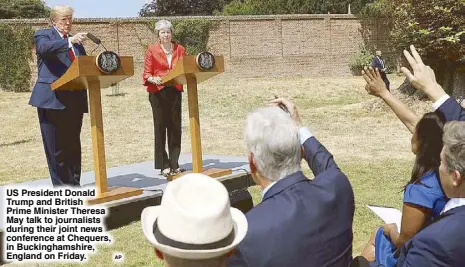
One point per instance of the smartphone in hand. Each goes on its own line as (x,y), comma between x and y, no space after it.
(282,106)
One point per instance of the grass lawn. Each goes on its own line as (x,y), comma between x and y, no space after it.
(368,142)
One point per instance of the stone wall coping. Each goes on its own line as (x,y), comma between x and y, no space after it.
(220,18)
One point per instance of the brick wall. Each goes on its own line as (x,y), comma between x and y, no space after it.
(252,46)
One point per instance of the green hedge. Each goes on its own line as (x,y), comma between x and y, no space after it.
(361,60)
(193,34)
(16,44)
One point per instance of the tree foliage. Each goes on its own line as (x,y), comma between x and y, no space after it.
(270,7)
(436,27)
(16,43)
(15,54)
(193,34)
(361,60)
(181,7)
(27,9)
(249,7)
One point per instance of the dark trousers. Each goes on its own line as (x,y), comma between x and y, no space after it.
(386,80)
(61,130)
(166,110)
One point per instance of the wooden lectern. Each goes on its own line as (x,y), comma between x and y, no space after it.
(187,72)
(84,74)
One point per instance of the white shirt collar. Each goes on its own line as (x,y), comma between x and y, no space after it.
(61,35)
(453,203)
(267,188)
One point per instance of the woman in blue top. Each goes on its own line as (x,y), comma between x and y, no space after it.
(423,197)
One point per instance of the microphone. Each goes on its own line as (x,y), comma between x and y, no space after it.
(93,38)
(96,40)
(106,61)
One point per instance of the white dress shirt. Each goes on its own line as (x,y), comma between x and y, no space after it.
(440,101)
(70,45)
(453,203)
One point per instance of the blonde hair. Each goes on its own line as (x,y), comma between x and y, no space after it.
(60,11)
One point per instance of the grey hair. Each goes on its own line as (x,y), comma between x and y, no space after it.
(273,138)
(454,146)
(163,24)
(214,262)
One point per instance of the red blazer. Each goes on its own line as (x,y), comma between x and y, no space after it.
(156,64)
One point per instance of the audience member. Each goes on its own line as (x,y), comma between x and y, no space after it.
(423,196)
(194,226)
(300,222)
(441,243)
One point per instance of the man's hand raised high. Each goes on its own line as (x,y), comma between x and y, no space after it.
(423,77)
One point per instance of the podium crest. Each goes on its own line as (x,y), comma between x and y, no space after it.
(205,61)
(107,62)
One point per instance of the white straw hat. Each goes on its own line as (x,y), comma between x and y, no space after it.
(194,220)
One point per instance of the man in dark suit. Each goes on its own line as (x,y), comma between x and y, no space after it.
(300,222)
(378,62)
(60,112)
(442,242)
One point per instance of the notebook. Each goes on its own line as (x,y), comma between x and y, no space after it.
(388,214)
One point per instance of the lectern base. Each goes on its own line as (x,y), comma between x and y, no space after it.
(213,172)
(115,193)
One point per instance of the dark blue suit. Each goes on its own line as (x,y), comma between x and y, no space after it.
(452,110)
(440,244)
(302,222)
(60,112)
(380,64)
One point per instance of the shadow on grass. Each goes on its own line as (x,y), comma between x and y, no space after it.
(16,142)
(118,94)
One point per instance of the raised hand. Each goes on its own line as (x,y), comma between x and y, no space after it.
(375,84)
(423,77)
(290,107)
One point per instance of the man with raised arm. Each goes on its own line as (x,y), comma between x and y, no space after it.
(300,222)
(60,112)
